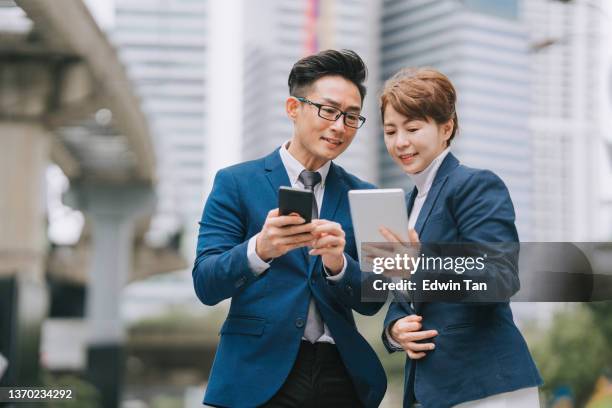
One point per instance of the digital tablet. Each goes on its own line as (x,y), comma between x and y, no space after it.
(372,209)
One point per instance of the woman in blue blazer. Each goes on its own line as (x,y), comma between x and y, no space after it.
(458,354)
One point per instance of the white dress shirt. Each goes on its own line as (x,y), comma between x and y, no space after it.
(294,168)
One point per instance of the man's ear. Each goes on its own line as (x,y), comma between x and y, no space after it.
(291,107)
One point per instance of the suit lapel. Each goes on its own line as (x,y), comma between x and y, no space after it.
(277,176)
(432,196)
(276,173)
(411,196)
(335,189)
(449,164)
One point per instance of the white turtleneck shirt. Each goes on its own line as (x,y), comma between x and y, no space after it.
(423,181)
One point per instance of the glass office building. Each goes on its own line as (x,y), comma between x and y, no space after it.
(482,48)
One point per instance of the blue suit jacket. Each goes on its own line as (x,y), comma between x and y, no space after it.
(262,333)
(479,351)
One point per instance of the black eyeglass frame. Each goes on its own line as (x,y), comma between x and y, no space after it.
(340,113)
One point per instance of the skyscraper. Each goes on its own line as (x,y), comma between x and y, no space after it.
(163,45)
(567,117)
(293,30)
(482,47)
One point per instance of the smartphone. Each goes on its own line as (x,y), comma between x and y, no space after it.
(295,200)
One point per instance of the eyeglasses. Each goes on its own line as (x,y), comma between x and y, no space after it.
(327,112)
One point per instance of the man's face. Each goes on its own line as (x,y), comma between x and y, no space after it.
(317,140)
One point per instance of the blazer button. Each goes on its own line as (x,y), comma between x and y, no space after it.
(240,282)
(299,322)
(349,290)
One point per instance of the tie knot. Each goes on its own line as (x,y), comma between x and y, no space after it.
(310,179)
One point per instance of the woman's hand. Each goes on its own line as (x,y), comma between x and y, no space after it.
(407,331)
(391,236)
(391,249)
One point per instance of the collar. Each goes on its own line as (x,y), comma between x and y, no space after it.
(294,167)
(424,179)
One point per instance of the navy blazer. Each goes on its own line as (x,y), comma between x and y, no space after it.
(263,330)
(479,350)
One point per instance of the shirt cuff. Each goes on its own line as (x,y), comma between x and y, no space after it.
(394,344)
(257,265)
(338,276)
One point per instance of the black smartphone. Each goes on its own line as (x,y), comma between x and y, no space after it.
(295,200)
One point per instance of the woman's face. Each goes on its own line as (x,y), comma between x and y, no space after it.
(413,144)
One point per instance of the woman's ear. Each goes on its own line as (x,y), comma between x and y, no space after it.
(447,129)
(291,107)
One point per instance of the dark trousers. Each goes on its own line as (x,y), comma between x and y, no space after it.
(318,379)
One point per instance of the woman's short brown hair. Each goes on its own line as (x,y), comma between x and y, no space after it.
(421,94)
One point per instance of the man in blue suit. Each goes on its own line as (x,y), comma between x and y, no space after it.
(290,337)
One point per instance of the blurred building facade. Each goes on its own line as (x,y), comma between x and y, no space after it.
(163,45)
(482,47)
(66,100)
(294,30)
(566,117)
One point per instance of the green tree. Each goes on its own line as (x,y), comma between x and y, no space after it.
(602,317)
(84,394)
(574,352)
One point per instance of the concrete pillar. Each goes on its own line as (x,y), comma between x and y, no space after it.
(24,151)
(113,211)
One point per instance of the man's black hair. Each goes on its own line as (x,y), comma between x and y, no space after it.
(345,63)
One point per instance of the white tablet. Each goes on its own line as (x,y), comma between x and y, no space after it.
(372,209)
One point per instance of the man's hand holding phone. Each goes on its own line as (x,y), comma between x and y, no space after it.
(289,227)
(282,233)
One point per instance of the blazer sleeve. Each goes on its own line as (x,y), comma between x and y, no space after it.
(221,267)
(348,290)
(485,216)
(396,311)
